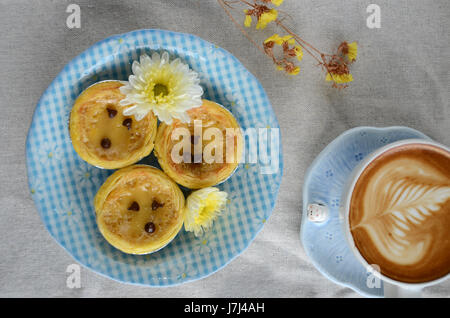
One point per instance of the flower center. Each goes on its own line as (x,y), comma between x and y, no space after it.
(160,90)
(206,212)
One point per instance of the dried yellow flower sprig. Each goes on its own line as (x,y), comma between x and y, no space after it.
(336,66)
(290,50)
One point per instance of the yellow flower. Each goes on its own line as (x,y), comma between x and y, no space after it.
(168,88)
(294,71)
(279,40)
(248,19)
(298,52)
(274,38)
(288,39)
(339,78)
(352,51)
(277,2)
(266,18)
(202,208)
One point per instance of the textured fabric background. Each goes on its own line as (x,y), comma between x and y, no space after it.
(401,78)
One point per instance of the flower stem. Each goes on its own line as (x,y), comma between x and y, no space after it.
(224,6)
(300,41)
(331,63)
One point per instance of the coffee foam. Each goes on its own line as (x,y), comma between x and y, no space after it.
(400,213)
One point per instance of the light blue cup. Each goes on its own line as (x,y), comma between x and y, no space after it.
(326,183)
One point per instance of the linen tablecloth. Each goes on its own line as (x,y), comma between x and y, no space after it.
(401,78)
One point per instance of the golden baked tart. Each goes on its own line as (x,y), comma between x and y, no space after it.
(139,209)
(213,151)
(102,135)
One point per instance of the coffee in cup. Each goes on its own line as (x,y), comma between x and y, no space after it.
(399,212)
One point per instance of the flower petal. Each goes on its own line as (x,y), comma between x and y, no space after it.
(248,21)
(202,208)
(182,90)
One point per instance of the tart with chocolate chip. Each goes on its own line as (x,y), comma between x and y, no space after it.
(214,149)
(139,209)
(102,135)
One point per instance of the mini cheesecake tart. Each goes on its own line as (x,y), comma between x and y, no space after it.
(196,170)
(139,209)
(104,137)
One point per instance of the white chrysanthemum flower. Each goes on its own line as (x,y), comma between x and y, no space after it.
(202,208)
(167,88)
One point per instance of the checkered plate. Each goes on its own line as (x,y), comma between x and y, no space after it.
(63,186)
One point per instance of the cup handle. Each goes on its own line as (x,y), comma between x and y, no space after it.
(394,291)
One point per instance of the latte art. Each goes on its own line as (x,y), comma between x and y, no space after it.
(400,213)
(400,207)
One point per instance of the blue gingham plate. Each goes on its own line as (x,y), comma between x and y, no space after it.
(63,186)
(325,243)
